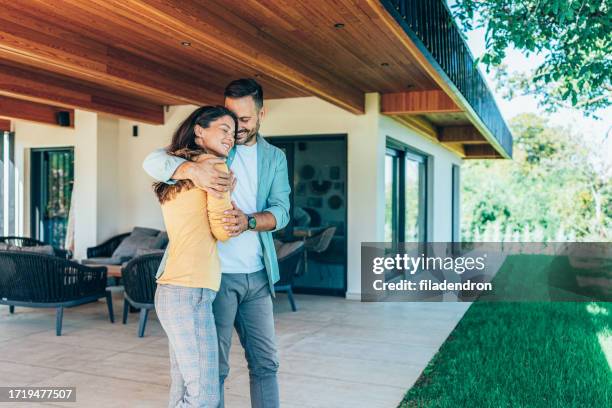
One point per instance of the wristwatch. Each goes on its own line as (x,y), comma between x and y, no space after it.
(251,222)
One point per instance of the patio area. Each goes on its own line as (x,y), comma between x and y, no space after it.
(333,353)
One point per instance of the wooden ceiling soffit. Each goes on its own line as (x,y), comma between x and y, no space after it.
(461,134)
(481,152)
(59,51)
(33,111)
(50,89)
(234,44)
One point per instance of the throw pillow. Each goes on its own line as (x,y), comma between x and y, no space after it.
(127,249)
(145,231)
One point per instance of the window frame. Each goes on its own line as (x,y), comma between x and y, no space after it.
(456,203)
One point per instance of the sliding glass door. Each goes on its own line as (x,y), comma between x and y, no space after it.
(318,176)
(52,178)
(405,194)
(415,197)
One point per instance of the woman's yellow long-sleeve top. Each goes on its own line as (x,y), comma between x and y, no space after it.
(194,221)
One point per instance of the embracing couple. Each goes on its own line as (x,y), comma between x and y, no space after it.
(220,267)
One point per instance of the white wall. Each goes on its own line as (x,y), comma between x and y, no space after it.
(140,207)
(86,191)
(108,189)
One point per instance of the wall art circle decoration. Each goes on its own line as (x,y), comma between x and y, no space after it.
(320,187)
(334,202)
(307,172)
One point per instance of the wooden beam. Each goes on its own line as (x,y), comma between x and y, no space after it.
(5,125)
(481,152)
(461,134)
(38,86)
(32,111)
(418,102)
(418,124)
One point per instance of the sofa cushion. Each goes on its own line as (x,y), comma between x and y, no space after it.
(149,251)
(145,231)
(39,249)
(101,261)
(127,249)
(162,240)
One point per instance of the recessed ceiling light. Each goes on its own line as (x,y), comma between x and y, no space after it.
(384,64)
(185,43)
(339,25)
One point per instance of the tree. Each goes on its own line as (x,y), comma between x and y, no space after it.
(558,181)
(574,37)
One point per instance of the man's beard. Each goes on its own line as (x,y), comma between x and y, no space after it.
(251,134)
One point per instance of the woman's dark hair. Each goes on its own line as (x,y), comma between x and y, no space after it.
(183,145)
(184,137)
(245,87)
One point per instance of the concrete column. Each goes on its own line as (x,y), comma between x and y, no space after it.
(85,186)
(96,182)
(109,180)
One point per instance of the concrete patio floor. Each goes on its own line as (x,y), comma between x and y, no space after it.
(333,353)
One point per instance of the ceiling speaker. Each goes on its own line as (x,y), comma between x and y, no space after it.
(63,118)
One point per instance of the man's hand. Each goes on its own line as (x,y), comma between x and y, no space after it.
(237,221)
(206,176)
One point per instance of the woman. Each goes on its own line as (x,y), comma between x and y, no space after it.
(191,277)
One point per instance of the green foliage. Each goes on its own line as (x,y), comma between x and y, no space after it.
(574,37)
(558,181)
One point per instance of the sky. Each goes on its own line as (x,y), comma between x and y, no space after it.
(591,128)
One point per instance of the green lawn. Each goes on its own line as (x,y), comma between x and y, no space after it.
(522,355)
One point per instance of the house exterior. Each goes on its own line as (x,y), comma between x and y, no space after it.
(375,102)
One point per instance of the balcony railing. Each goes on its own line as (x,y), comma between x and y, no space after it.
(431,26)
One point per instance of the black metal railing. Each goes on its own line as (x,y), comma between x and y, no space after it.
(431,26)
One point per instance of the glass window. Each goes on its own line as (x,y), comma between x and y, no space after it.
(415,198)
(405,195)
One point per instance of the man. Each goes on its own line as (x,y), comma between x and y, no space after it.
(248,259)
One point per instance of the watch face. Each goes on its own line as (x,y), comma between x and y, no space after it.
(252,222)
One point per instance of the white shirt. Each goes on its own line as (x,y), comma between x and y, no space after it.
(243,254)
